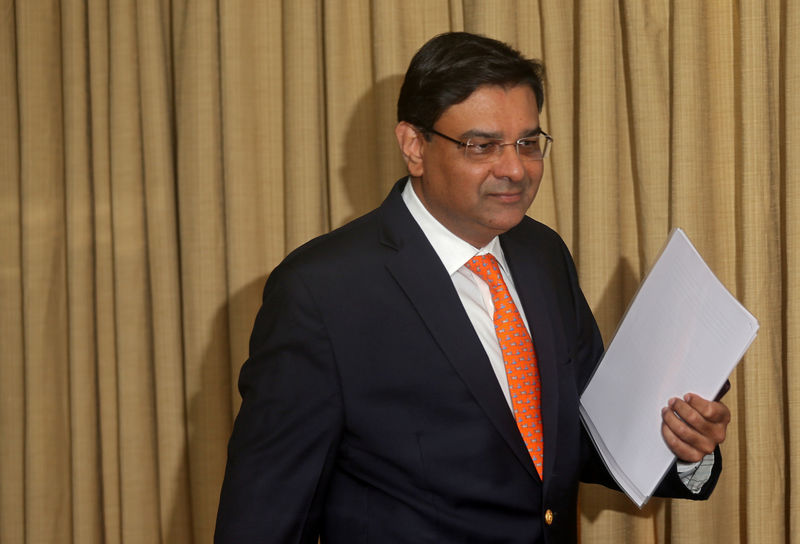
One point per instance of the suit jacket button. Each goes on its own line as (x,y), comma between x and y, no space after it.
(548,517)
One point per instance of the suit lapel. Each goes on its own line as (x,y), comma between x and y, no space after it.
(539,303)
(422,277)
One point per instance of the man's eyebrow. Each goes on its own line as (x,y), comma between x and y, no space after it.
(478,133)
(532,132)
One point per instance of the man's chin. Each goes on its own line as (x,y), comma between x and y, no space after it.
(506,223)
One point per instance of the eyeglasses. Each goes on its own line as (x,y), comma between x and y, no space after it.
(479,149)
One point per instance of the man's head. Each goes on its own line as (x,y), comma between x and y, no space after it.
(464,94)
(451,66)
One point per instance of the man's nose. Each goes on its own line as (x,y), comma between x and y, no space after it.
(508,164)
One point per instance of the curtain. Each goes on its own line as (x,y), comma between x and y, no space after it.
(159,158)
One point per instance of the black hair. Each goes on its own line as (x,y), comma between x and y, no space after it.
(451,66)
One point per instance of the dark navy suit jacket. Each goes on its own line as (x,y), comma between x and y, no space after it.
(370,412)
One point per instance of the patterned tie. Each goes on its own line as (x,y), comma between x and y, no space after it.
(519,357)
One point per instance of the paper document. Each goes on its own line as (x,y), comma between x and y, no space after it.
(683,332)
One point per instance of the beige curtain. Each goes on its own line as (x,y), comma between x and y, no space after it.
(159,158)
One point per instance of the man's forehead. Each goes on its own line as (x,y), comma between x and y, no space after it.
(490,109)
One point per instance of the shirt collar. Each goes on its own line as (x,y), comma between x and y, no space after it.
(452,250)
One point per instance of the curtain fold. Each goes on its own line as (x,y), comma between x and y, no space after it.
(158,159)
(789,68)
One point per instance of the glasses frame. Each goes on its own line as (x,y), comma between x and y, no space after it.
(548,142)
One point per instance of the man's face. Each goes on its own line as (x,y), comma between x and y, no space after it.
(478,201)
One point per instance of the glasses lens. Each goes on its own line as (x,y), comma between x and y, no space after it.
(532,148)
(481,149)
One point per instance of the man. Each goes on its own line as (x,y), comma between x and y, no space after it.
(382,400)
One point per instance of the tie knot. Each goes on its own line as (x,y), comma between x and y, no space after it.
(486,267)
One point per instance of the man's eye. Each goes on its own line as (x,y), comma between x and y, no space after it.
(529,144)
(483,147)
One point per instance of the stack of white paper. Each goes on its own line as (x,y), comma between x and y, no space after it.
(683,332)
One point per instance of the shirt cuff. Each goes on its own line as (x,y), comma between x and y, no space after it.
(695,475)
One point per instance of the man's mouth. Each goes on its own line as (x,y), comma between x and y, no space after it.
(507,197)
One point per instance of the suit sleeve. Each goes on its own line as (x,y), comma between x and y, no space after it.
(287,431)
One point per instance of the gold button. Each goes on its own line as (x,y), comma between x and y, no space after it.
(548,516)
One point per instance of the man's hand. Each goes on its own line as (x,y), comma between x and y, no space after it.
(692,426)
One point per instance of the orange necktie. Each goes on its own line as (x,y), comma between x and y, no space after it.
(519,357)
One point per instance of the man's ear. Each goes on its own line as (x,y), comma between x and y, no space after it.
(410,141)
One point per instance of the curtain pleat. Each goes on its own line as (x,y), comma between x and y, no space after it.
(158,160)
(12,340)
(761,379)
(47,441)
(789,68)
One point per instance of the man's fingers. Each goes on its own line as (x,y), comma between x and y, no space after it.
(712,411)
(708,418)
(693,426)
(681,449)
(682,423)
(697,423)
